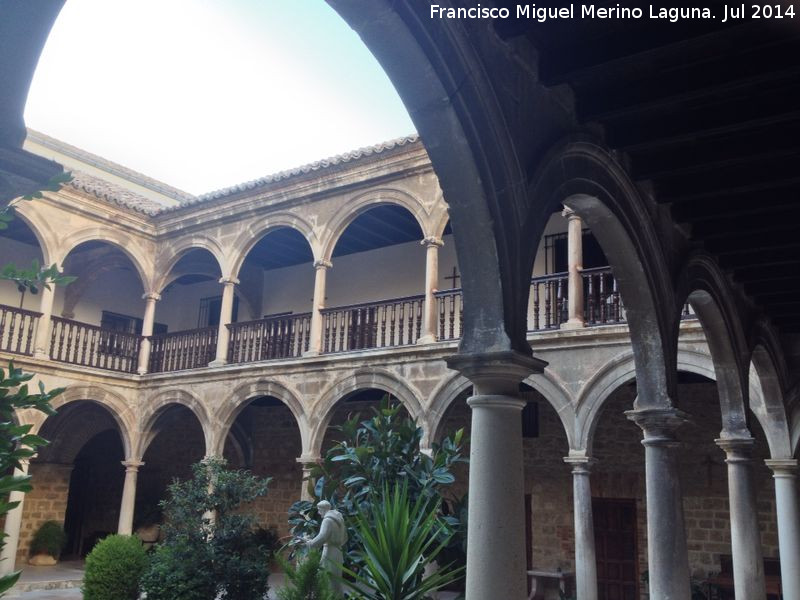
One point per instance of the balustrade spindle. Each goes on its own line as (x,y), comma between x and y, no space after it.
(590,309)
(452,330)
(441,317)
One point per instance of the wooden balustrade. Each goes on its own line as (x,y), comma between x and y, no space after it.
(181,350)
(396,322)
(602,302)
(91,346)
(548,296)
(17,327)
(449,307)
(265,339)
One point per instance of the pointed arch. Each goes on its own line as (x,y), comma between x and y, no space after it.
(258,230)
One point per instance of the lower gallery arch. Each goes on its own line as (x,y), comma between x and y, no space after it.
(173,443)
(77,479)
(618,487)
(265,439)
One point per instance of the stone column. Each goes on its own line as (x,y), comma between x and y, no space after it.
(225,317)
(496,535)
(8,556)
(748,563)
(315,337)
(308,464)
(785,475)
(667,556)
(585,558)
(575,267)
(150,300)
(432,245)
(128,504)
(41,344)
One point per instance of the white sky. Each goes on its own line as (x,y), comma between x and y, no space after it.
(203,94)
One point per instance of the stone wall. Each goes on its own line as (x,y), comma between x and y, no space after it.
(46,502)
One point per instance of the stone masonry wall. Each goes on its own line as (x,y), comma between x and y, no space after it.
(46,502)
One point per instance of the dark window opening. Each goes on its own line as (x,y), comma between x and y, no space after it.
(211,307)
(555,248)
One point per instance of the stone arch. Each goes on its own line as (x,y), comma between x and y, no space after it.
(546,384)
(119,240)
(115,404)
(257,230)
(440,218)
(241,397)
(793,410)
(767,402)
(155,407)
(710,298)
(360,379)
(586,177)
(45,236)
(360,204)
(169,255)
(617,372)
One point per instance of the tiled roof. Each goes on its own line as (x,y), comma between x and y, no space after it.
(114,193)
(339,159)
(123,197)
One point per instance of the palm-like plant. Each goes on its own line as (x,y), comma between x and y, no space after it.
(398,539)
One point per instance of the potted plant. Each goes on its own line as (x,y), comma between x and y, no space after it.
(47,544)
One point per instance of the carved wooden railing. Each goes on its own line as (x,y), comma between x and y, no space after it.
(264,339)
(449,305)
(548,295)
(396,322)
(181,350)
(17,328)
(91,346)
(602,304)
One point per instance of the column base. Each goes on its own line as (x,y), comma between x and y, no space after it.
(428,338)
(573,324)
(310,353)
(219,362)
(142,371)
(41,355)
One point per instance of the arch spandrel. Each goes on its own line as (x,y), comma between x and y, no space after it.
(767,403)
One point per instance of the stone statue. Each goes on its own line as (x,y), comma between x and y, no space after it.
(332,536)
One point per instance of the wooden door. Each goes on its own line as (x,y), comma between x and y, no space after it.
(615,545)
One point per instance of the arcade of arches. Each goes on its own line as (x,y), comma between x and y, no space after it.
(650,435)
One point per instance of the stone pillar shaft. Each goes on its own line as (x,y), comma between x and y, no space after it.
(575,318)
(225,318)
(748,563)
(128,505)
(667,555)
(8,556)
(41,344)
(320,277)
(585,557)
(496,535)
(432,245)
(786,501)
(147,330)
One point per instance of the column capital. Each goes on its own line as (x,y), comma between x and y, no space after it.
(658,424)
(228,281)
(322,264)
(432,241)
(737,449)
(151,296)
(782,467)
(569,213)
(581,464)
(496,373)
(132,465)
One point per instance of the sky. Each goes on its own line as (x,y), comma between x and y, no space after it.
(205,94)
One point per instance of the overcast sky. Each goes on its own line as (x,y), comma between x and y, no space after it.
(203,94)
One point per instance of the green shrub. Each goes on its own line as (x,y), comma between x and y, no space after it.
(307,581)
(49,539)
(113,569)
(171,575)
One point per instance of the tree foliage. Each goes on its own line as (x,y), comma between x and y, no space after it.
(16,441)
(211,547)
(306,581)
(374,454)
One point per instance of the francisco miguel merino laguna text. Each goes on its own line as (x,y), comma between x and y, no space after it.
(585,11)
